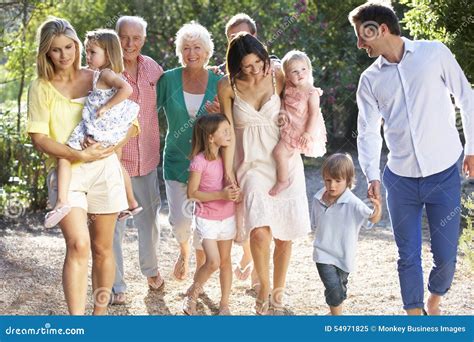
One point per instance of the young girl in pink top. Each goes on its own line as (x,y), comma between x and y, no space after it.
(302,127)
(214,209)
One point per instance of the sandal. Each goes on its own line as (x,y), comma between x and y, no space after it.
(224,311)
(155,285)
(243,273)
(118,298)
(190,301)
(261,307)
(55,216)
(277,310)
(129,213)
(181,268)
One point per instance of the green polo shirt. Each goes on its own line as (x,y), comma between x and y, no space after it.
(180,124)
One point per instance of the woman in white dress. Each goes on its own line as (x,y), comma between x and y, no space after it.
(250,98)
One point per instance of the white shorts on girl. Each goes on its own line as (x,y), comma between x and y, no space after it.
(215,229)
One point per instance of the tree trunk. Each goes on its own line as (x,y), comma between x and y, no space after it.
(23,65)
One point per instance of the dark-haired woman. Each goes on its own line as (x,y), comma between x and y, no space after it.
(250,98)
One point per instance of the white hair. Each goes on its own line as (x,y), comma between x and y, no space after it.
(131,20)
(191,32)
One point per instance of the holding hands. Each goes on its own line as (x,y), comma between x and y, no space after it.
(231,193)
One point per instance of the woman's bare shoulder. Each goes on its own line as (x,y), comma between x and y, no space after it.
(224,85)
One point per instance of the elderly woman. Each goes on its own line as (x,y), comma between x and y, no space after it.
(96,193)
(250,98)
(183,93)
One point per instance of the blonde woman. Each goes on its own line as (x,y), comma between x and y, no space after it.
(107,116)
(96,192)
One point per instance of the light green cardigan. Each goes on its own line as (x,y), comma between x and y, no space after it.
(180,124)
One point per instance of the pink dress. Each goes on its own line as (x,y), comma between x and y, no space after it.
(293,119)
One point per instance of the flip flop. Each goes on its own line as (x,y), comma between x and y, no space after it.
(156,287)
(55,216)
(118,298)
(129,213)
(243,273)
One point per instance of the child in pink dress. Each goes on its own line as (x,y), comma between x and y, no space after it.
(302,127)
(214,208)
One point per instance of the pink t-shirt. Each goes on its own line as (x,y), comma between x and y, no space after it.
(212,180)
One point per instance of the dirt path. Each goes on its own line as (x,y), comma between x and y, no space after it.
(31,261)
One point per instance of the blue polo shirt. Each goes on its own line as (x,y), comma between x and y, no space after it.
(337,229)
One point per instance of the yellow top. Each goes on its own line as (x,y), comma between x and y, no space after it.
(52,114)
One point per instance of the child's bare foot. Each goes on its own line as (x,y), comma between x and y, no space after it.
(432,305)
(55,216)
(279,187)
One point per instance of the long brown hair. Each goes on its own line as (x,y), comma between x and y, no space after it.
(204,127)
(242,45)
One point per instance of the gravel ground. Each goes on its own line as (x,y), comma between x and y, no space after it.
(31,261)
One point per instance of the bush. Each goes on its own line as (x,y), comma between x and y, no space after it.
(23,172)
(466,241)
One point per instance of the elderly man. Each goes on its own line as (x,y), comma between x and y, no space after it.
(409,86)
(141,156)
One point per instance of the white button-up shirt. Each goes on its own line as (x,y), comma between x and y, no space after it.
(413,98)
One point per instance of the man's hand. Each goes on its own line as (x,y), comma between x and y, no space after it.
(374,190)
(468,166)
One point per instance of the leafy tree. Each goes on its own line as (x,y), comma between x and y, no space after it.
(450,21)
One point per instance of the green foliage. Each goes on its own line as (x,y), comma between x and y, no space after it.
(450,21)
(23,173)
(319,27)
(466,241)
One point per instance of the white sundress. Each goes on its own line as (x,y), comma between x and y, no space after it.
(112,126)
(257,133)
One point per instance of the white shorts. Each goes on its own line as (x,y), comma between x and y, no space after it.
(215,229)
(97,187)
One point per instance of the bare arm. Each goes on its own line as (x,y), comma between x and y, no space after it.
(225,95)
(110,79)
(228,193)
(45,144)
(313,117)
(313,112)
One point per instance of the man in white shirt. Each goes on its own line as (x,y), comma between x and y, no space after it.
(409,87)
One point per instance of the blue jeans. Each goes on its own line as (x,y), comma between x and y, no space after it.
(335,283)
(440,194)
